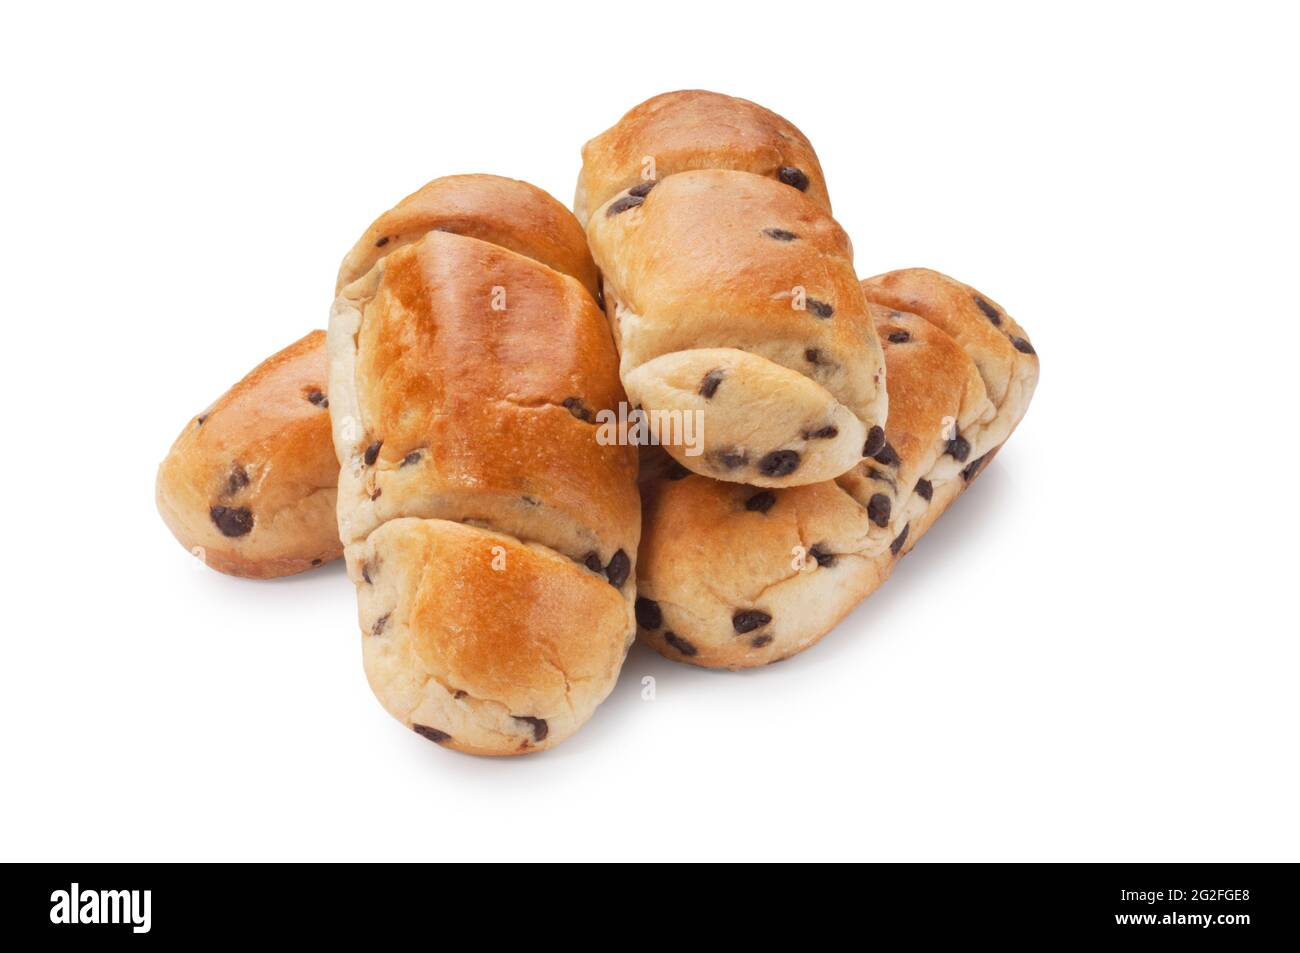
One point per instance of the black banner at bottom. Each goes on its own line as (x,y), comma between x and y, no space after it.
(143,903)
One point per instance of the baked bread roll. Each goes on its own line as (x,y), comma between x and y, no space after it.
(736,311)
(695,129)
(736,577)
(491,536)
(249,485)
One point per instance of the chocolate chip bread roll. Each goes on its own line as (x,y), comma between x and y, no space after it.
(490,534)
(731,290)
(249,485)
(735,577)
(695,129)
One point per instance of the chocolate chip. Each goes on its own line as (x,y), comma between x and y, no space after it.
(747,620)
(760,502)
(623,204)
(819,308)
(875,442)
(878,509)
(539,726)
(899,337)
(648,613)
(372,452)
(730,459)
(676,471)
(200,418)
(575,406)
(709,386)
(779,463)
(618,569)
(238,479)
(643,189)
(377,494)
(958,448)
(592,562)
(316,562)
(925,489)
(974,467)
(433,734)
(1023,346)
(887,456)
(825,558)
(318,398)
(780,234)
(792,176)
(990,312)
(680,644)
(378,627)
(232,521)
(410,458)
(759,641)
(382,242)
(365,573)
(899,540)
(459,693)
(813,356)
(826,433)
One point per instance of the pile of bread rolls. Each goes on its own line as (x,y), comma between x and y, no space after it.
(452,436)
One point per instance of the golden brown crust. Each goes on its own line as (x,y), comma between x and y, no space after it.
(484,365)
(491,536)
(997,344)
(479,641)
(739,576)
(732,278)
(695,129)
(938,389)
(249,485)
(505,212)
(935,396)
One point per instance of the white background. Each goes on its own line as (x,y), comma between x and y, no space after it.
(1092,656)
